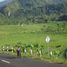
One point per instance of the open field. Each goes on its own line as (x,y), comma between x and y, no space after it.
(29,34)
(32,34)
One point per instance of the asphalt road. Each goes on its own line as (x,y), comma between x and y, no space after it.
(9,61)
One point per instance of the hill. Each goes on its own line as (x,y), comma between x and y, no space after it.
(34,10)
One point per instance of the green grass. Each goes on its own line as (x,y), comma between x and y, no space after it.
(31,34)
(26,34)
(11,34)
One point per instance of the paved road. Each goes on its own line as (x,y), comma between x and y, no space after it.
(2,64)
(6,61)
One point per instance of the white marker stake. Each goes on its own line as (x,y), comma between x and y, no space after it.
(47,41)
(31,51)
(25,51)
(51,53)
(12,49)
(7,48)
(3,48)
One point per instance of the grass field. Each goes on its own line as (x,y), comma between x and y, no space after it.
(26,34)
(31,34)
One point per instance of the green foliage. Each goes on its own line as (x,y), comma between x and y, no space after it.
(32,37)
(29,11)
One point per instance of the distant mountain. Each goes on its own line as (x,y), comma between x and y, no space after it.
(4,3)
(34,10)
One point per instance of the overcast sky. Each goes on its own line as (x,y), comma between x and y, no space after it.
(2,0)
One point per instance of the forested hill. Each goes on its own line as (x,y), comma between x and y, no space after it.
(39,11)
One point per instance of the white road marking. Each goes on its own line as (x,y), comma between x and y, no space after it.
(5,61)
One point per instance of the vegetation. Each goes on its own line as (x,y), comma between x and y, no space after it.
(37,11)
(27,23)
(33,37)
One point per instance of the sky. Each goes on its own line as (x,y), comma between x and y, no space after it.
(2,0)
